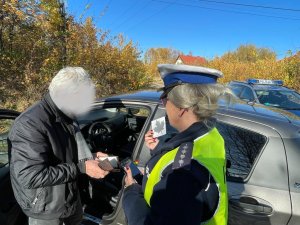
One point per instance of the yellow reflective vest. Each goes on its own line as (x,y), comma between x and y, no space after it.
(209,151)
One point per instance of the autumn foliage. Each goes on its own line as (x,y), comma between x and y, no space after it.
(37,38)
(247,61)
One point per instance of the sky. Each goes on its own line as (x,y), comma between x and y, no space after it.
(206,28)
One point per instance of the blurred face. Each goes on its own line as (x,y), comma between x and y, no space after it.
(75,103)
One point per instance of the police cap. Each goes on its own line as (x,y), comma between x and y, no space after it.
(173,75)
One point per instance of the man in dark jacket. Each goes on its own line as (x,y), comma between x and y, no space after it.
(44,163)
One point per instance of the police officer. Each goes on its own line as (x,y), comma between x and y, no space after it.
(184,181)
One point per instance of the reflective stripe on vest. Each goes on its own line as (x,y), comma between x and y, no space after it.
(209,151)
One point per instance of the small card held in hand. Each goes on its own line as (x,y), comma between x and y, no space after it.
(159,127)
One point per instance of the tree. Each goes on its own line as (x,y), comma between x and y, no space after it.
(250,54)
(249,62)
(155,56)
(291,68)
(37,39)
(113,62)
(16,38)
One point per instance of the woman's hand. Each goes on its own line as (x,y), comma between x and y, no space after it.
(150,141)
(129,180)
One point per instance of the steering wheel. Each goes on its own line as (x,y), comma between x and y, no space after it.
(99,136)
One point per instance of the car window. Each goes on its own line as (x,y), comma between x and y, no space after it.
(5,125)
(114,129)
(278,98)
(144,155)
(236,89)
(242,148)
(247,94)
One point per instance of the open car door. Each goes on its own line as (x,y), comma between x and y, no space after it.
(10,212)
(116,128)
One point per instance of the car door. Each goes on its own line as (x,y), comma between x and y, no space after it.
(10,212)
(257,173)
(141,152)
(293,157)
(125,125)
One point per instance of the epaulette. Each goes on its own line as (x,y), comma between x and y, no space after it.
(184,155)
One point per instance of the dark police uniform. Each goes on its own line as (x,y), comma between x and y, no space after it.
(184,180)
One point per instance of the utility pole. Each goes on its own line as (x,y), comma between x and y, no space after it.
(63,29)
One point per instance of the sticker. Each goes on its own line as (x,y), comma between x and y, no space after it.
(159,127)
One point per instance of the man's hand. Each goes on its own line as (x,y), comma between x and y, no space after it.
(98,155)
(93,170)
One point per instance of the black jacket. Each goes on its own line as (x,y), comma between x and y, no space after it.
(182,196)
(43,157)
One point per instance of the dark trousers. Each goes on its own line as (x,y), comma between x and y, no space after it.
(75,219)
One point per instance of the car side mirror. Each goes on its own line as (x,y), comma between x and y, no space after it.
(251,102)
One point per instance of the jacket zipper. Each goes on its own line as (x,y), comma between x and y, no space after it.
(37,197)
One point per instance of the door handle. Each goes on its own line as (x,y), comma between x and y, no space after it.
(251,205)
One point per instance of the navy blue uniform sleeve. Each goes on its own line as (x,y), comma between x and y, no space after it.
(176,199)
(134,205)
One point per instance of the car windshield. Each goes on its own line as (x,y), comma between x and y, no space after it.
(279,98)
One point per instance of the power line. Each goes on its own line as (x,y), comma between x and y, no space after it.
(137,12)
(149,17)
(124,12)
(250,5)
(231,11)
(106,7)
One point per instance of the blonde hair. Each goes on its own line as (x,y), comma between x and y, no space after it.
(201,98)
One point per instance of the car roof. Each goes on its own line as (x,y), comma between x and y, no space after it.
(140,96)
(262,86)
(283,121)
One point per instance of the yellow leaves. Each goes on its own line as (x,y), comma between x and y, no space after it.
(155,56)
(12,10)
(249,53)
(112,61)
(5,58)
(267,68)
(20,14)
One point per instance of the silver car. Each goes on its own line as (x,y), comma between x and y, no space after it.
(262,146)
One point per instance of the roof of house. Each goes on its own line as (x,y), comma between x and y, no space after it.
(192,60)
